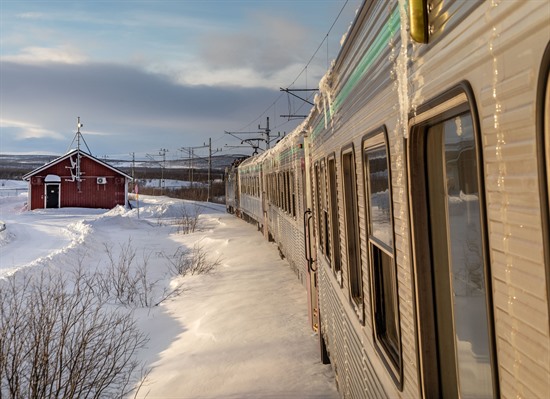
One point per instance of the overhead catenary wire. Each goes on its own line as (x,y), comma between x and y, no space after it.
(272,107)
(304,70)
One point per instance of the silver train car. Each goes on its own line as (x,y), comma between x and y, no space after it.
(413,202)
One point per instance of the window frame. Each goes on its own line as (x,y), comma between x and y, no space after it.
(454,102)
(543,146)
(334,220)
(391,355)
(355,272)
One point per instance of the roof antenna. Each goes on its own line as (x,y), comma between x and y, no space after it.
(78,136)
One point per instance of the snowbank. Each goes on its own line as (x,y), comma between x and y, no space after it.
(240,332)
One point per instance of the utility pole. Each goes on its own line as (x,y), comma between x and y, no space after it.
(191,155)
(267,131)
(133,154)
(290,92)
(162,152)
(210,167)
(191,152)
(254,142)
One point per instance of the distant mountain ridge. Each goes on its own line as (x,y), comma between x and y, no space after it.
(15,166)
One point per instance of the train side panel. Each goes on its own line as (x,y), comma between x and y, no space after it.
(495,51)
(424,167)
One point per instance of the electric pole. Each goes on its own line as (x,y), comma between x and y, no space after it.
(162,152)
(210,167)
(133,154)
(254,142)
(267,131)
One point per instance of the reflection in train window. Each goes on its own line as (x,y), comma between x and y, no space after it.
(321,206)
(381,250)
(334,222)
(293,193)
(325,245)
(349,180)
(451,263)
(463,280)
(318,206)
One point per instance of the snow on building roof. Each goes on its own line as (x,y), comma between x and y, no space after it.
(69,154)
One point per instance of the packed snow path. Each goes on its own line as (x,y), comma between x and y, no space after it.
(241,332)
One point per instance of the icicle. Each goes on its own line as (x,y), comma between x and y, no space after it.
(402,70)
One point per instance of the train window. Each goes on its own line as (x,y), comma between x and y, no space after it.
(271,188)
(281,190)
(285,193)
(334,222)
(276,188)
(293,191)
(319,206)
(323,210)
(288,193)
(382,253)
(451,265)
(351,219)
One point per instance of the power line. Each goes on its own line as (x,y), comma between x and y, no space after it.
(325,38)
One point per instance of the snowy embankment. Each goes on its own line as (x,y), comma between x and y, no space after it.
(238,332)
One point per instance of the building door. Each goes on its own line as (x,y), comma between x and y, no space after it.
(52,196)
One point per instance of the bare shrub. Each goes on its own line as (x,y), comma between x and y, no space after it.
(58,340)
(188,219)
(125,280)
(193,261)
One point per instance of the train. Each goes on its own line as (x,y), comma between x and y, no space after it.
(413,201)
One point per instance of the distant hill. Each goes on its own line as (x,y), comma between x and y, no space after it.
(15,166)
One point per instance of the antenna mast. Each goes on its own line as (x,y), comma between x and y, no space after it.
(78,137)
(76,174)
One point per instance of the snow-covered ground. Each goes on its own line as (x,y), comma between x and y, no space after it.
(240,332)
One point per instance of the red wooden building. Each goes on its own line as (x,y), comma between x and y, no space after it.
(77,179)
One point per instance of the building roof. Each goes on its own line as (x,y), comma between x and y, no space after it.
(70,154)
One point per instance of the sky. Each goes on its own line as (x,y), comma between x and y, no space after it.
(150,75)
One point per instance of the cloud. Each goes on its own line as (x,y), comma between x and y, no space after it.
(121,107)
(32,15)
(25,130)
(266,44)
(35,55)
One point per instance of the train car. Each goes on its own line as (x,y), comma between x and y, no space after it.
(232,192)
(231,189)
(251,194)
(424,173)
(430,197)
(284,174)
(276,203)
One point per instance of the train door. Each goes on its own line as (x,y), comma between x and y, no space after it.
(454,307)
(309,237)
